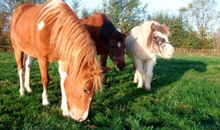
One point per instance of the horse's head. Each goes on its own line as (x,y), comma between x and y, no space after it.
(160,41)
(80,90)
(117,50)
(114,42)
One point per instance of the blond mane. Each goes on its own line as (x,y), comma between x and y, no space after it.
(70,39)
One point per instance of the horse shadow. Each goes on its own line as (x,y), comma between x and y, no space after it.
(166,72)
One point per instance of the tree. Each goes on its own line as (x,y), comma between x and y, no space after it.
(74,4)
(125,14)
(85,13)
(6,8)
(202,15)
(217,38)
(26,1)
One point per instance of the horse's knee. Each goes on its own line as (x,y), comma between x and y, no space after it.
(148,77)
(45,81)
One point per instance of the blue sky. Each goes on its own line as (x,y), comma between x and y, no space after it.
(170,6)
(153,5)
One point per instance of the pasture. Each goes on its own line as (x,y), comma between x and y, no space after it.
(185,95)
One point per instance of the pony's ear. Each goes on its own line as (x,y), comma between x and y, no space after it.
(153,27)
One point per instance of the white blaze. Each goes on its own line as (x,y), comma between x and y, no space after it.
(119,44)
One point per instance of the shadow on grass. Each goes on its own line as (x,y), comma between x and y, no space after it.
(124,94)
(166,72)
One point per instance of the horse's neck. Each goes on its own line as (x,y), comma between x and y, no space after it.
(143,34)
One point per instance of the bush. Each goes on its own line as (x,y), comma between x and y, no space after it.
(4,39)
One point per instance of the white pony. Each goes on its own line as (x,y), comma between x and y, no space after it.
(143,44)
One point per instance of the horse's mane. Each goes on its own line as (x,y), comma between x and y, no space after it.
(108,29)
(70,39)
(147,27)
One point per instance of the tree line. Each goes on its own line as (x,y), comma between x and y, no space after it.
(193,27)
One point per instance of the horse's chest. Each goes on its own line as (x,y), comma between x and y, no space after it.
(143,53)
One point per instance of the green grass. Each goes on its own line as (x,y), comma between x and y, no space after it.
(185,95)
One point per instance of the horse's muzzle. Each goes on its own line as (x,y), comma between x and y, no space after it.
(120,67)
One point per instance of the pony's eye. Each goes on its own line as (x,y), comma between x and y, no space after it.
(86,90)
(155,37)
(163,40)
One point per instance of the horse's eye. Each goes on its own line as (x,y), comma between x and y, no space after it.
(155,37)
(86,90)
(163,40)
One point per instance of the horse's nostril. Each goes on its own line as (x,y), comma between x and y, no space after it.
(80,120)
(72,114)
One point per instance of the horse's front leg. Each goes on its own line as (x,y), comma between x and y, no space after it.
(43,65)
(138,76)
(103,59)
(149,72)
(63,75)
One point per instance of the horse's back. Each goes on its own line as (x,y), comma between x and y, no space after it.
(19,12)
(96,19)
(93,24)
(23,29)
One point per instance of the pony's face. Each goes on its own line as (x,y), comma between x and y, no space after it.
(161,43)
(79,93)
(117,50)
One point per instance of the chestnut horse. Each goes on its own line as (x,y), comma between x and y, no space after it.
(108,41)
(143,44)
(52,32)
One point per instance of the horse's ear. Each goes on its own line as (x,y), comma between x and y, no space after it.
(153,27)
(124,35)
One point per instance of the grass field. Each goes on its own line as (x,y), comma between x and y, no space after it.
(185,95)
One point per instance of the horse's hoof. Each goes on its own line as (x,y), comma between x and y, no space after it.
(148,88)
(139,86)
(29,90)
(135,81)
(22,94)
(45,103)
(66,114)
(105,86)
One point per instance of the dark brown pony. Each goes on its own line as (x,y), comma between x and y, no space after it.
(108,41)
(52,32)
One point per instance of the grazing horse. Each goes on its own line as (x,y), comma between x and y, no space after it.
(143,44)
(52,32)
(107,39)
